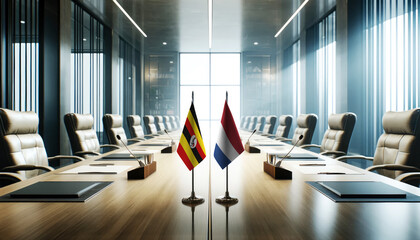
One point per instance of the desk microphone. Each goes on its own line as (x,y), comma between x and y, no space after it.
(251,135)
(134,156)
(285,156)
(166,131)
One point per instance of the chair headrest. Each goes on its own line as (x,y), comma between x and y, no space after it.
(285,120)
(158,119)
(135,119)
(82,121)
(305,120)
(405,122)
(148,119)
(271,120)
(339,121)
(15,122)
(114,120)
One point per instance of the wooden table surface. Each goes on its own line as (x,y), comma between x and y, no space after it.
(152,208)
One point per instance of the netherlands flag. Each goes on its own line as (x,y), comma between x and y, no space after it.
(228,145)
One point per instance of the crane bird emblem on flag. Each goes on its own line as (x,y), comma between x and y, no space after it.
(191,147)
(228,145)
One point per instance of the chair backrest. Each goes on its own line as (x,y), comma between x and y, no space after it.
(134,126)
(260,123)
(20,142)
(306,124)
(285,123)
(159,123)
(400,143)
(337,137)
(81,134)
(242,122)
(253,123)
(167,123)
(113,126)
(270,123)
(247,122)
(173,122)
(177,123)
(149,124)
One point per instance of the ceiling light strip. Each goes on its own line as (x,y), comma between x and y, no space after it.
(210,22)
(291,18)
(129,18)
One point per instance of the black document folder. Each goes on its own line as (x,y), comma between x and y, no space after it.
(74,191)
(54,190)
(358,189)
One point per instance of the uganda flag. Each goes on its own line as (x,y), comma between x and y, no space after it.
(191,147)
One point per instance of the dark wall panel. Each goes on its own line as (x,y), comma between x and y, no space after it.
(49,109)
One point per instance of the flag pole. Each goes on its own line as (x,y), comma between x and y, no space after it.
(193,199)
(227,200)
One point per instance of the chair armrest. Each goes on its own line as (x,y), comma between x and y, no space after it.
(110,146)
(10,177)
(343,158)
(407,177)
(83,153)
(310,145)
(336,153)
(59,157)
(134,140)
(394,167)
(17,168)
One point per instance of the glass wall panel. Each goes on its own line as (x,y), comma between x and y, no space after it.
(129,71)
(223,74)
(392,60)
(23,55)
(87,66)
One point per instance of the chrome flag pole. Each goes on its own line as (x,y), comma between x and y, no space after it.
(193,143)
(227,200)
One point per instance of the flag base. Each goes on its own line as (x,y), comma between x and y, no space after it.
(193,200)
(227,200)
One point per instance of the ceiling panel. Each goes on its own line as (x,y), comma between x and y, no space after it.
(183,24)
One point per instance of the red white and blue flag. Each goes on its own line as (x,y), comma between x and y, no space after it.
(228,145)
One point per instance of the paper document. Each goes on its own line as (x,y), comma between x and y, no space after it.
(105,169)
(326,170)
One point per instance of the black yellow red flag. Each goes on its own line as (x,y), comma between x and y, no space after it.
(191,147)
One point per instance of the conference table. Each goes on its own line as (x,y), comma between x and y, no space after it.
(151,208)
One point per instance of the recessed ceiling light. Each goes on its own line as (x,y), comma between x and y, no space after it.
(249,62)
(22,22)
(129,18)
(255,43)
(84,39)
(165,43)
(171,62)
(291,18)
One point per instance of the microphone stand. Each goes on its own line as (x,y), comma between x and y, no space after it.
(277,172)
(142,164)
(248,146)
(277,164)
(144,170)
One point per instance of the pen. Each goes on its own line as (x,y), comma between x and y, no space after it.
(312,164)
(101,164)
(97,173)
(331,173)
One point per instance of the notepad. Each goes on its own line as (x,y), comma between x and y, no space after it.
(54,190)
(367,189)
